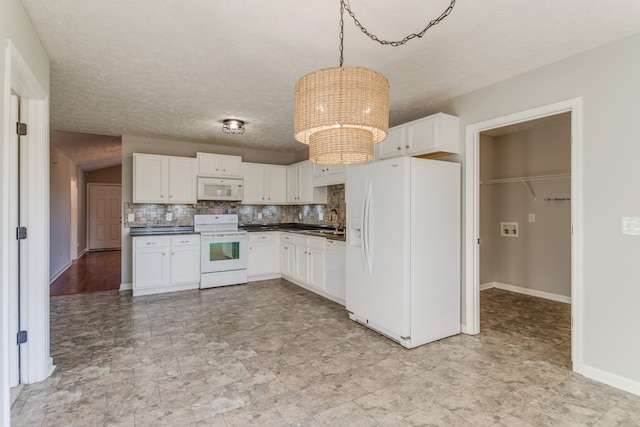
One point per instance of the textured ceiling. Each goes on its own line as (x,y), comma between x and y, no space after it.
(174,69)
(88,151)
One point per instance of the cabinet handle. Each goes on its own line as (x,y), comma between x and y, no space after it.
(171,197)
(406,146)
(163,254)
(162,196)
(173,253)
(151,243)
(399,148)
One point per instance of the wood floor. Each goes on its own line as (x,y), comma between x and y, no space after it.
(93,272)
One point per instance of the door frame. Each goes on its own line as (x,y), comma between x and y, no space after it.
(471,289)
(36,363)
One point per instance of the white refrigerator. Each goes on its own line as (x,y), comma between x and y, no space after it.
(403,248)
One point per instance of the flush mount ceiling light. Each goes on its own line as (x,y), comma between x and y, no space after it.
(341,112)
(233,126)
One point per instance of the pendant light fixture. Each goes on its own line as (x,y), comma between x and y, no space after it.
(341,112)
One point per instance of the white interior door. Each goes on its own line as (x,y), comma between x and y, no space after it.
(104,216)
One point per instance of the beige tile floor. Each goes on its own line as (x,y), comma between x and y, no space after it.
(271,353)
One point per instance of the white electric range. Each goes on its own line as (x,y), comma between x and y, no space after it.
(223,251)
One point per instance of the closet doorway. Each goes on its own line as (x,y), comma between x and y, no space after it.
(525,234)
(528,241)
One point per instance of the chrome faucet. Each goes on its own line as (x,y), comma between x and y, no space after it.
(332,214)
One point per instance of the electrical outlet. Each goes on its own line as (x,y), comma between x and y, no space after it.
(532,217)
(299,216)
(131,217)
(169,216)
(259,215)
(321,215)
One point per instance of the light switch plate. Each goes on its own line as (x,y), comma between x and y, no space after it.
(169,216)
(532,217)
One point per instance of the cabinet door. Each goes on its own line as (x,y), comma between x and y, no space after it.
(304,182)
(302,263)
(185,264)
(150,178)
(316,268)
(420,136)
(182,180)
(261,258)
(151,267)
(293,194)
(231,166)
(275,180)
(394,145)
(253,174)
(287,259)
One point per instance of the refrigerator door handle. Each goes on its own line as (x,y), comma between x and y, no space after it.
(366,241)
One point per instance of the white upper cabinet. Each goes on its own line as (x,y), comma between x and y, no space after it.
(264,184)
(219,165)
(164,179)
(300,188)
(432,136)
(328,174)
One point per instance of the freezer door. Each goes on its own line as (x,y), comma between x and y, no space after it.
(387,239)
(357,276)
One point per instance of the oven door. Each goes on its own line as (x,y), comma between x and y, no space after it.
(223,252)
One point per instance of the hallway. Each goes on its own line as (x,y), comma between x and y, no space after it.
(93,272)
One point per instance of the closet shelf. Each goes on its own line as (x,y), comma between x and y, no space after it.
(525,180)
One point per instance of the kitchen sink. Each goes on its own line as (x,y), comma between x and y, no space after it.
(332,232)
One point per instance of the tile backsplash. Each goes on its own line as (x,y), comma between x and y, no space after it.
(154,215)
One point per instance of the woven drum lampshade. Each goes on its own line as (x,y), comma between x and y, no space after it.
(340,113)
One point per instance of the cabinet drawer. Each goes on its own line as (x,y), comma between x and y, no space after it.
(146,242)
(186,240)
(286,237)
(261,237)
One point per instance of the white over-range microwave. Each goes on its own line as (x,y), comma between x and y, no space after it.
(220,189)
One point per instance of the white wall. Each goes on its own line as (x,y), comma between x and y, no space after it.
(16,26)
(540,257)
(62,170)
(607,80)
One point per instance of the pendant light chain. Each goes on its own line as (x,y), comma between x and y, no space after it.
(344,5)
(341,32)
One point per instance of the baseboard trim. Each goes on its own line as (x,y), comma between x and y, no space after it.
(126,286)
(264,277)
(59,273)
(81,254)
(526,291)
(611,379)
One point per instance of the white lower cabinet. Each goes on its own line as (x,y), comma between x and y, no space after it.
(165,263)
(264,256)
(309,269)
(335,261)
(287,255)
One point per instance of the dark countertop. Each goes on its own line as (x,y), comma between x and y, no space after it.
(310,229)
(160,231)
